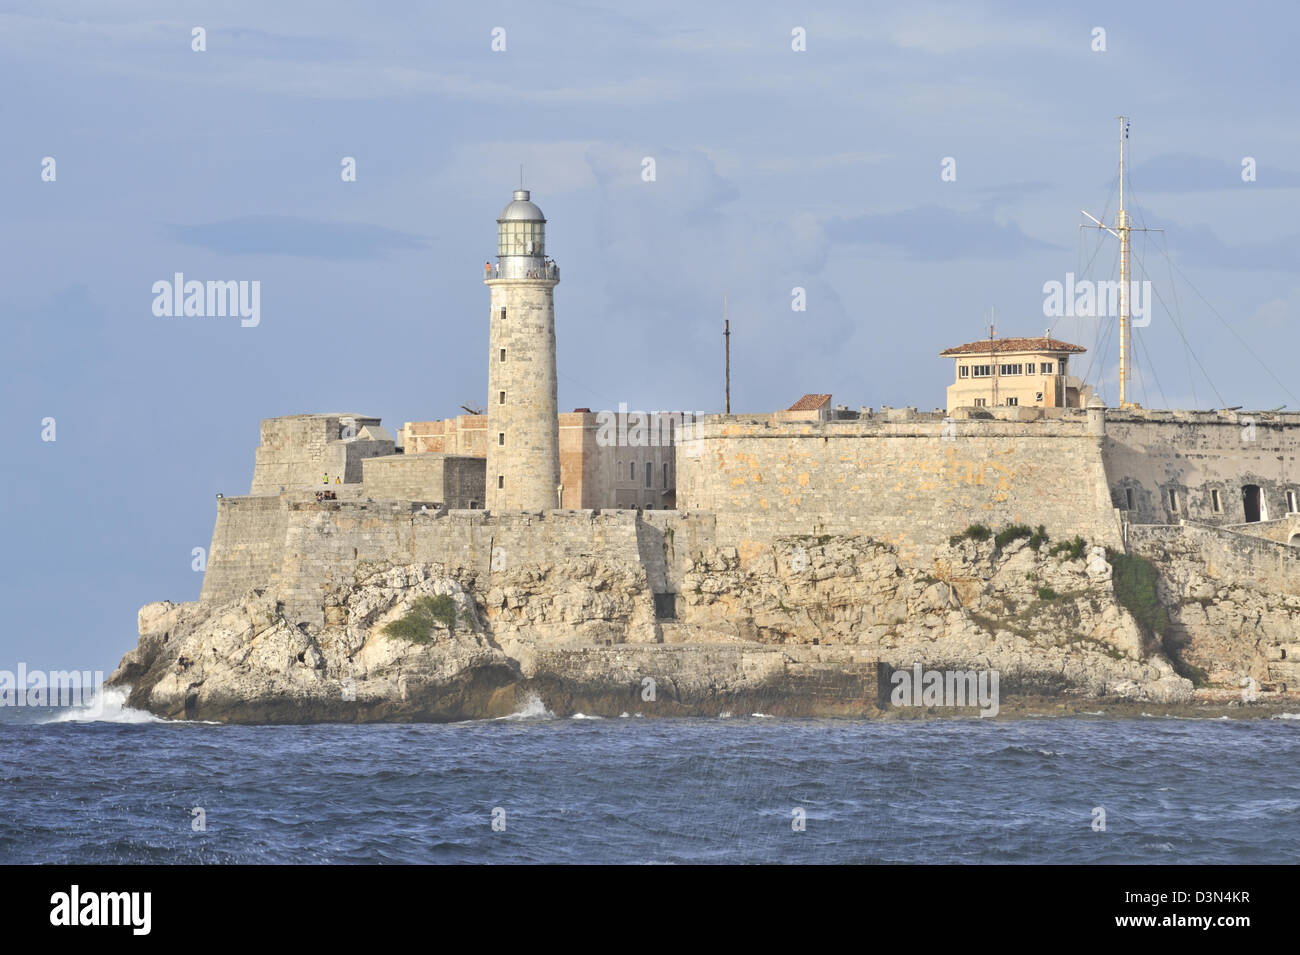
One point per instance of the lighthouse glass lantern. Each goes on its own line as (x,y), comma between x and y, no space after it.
(521,237)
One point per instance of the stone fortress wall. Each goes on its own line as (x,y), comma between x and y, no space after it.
(300,451)
(903,478)
(457,480)
(911,481)
(1207,459)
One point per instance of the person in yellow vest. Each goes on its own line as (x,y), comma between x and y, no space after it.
(325,479)
(338,480)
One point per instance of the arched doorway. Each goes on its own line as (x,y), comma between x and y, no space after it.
(1295,539)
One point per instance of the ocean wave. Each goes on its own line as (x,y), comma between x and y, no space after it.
(108,706)
(1285,716)
(532,708)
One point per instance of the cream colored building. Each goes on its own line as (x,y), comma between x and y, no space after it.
(1028,372)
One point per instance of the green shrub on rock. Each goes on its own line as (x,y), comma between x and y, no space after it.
(976,532)
(1134,579)
(417,625)
(1072,549)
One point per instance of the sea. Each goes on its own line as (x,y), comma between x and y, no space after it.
(125,787)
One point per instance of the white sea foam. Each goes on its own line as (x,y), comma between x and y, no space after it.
(532,708)
(108,706)
(760,716)
(584,716)
(1286,716)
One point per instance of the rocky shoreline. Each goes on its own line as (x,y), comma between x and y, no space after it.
(816,627)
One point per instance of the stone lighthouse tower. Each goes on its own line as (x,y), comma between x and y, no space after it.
(523,439)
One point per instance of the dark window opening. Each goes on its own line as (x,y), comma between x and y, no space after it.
(1253,499)
(665,606)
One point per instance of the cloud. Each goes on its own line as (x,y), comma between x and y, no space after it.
(1199,246)
(1014,191)
(1183,172)
(934,234)
(1277,313)
(287,235)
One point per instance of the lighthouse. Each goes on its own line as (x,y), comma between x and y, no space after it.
(523,436)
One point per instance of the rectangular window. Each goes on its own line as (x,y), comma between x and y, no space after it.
(503,354)
(666,475)
(1047,368)
(1291,503)
(1011,369)
(649,474)
(1173,500)
(980,402)
(963,371)
(981,371)
(1012,402)
(503,313)
(501,438)
(1128,496)
(1216,502)
(501,398)
(501,480)
(665,606)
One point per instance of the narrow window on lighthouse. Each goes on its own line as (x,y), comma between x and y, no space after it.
(502,398)
(503,314)
(501,438)
(501,480)
(503,354)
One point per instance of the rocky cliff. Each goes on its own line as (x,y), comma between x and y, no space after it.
(803,626)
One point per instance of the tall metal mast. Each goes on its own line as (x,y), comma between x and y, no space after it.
(1121,231)
(1122,227)
(726,338)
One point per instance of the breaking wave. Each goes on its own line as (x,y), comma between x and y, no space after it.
(107,706)
(532,708)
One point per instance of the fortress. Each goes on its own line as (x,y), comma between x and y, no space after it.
(584,540)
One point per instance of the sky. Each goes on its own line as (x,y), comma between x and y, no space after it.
(775,169)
